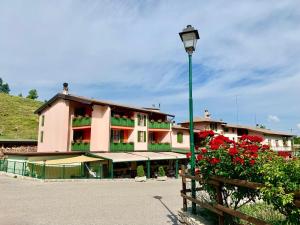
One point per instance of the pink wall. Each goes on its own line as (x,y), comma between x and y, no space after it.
(56,128)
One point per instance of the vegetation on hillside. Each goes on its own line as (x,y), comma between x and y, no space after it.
(17,118)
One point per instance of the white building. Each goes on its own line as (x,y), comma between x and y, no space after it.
(277,140)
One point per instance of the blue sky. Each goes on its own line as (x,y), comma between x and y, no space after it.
(130,52)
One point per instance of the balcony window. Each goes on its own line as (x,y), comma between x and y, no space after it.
(117,136)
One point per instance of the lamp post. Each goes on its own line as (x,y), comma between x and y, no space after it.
(189,37)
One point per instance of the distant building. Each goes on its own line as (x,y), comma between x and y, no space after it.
(277,140)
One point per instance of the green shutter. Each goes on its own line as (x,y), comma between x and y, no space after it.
(145,138)
(179,137)
(139,136)
(145,120)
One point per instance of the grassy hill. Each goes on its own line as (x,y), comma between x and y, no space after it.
(17,119)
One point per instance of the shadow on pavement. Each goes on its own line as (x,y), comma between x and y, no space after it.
(172,216)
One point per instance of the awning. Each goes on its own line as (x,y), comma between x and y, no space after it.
(139,156)
(71,160)
(160,155)
(120,157)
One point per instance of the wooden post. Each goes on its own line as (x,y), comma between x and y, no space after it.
(184,187)
(220,201)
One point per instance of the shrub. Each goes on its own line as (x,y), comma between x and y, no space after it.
(282,179)
(140,171)
(161,171)
(221,156)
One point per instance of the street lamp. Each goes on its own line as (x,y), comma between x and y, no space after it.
(189,37)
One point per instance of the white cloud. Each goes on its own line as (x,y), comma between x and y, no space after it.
(298,125)
(128,49)
(272,118)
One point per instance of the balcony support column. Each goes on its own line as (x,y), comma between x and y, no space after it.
(148,168)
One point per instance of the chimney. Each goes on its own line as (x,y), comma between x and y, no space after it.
(206,114)
(65,89)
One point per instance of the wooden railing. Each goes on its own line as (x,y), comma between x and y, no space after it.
(219,208)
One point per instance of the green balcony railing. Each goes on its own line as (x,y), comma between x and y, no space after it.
(158,125)
(81,121)
(121,147)
(159,147)
(80,146)
(125,122)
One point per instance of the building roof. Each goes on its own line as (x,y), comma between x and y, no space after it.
(260,130)
(180,127)
(91,101)
(18,141)
(201,119)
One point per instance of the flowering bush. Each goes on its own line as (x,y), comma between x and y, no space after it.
(242,160)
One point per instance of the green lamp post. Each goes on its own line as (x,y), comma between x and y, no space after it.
(189,37)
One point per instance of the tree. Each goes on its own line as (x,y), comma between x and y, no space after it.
(20,95)
(4,87)
(32,94)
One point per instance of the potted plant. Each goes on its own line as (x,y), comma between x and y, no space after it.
(140,174)
(161,174)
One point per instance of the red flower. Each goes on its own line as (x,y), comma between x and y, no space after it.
(232,151)
(204,150)
(188,155)
(199,157)
(214,161)
(205,133)
(265,147)
(238,160)
(252,162)
(252,148)
(218,141)
(250,138)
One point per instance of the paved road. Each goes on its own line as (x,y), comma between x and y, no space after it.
(26,202)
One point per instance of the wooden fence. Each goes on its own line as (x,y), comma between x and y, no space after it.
(219,208)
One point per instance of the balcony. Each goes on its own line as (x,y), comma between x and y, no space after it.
(159,147)
(121,147)
(80,146)
(158,125)
(81,121)
(123,122)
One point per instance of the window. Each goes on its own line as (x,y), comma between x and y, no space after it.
(233,130)
(43,120)
(276,143)
(213,126)
(42,137)
(142,119)
(117,136)
(179,137)
(285,141)
(141,136)
(226,129)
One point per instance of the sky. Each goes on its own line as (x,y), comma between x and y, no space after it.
(246,66)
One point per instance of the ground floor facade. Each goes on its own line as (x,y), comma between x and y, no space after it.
(91,165)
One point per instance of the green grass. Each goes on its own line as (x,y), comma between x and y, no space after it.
(17,120)
(264,212)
